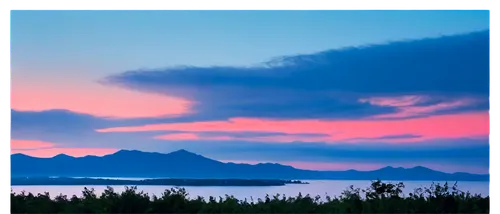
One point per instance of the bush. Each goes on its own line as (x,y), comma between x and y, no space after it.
(378,198)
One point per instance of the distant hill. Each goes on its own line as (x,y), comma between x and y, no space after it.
(184,164)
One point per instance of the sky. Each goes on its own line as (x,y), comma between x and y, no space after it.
(323,90)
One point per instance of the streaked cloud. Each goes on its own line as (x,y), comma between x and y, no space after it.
(29,144)
(439,126)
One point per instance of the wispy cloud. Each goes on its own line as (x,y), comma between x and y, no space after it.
(439,126)
(417,106)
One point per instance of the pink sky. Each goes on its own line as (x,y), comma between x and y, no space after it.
(46,149)
(433,127)
(95,99)
(104,101)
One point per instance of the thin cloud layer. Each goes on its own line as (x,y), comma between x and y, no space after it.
(333,84)
(439,126)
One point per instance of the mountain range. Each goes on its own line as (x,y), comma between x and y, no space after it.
(185,164)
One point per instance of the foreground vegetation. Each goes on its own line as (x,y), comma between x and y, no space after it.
(378,198)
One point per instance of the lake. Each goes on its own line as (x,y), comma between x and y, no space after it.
(315,187)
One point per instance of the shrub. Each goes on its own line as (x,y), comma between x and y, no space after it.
(379,197)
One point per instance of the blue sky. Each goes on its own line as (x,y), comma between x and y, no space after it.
(93,82)
(121,40)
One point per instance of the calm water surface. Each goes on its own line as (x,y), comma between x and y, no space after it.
(316,187)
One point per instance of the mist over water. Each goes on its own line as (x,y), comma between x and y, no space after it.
(315,187)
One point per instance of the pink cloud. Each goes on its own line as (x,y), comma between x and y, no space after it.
(37,148)
(433,127)
(29,144)
(285,138)
(408,100)
(406,105)
(181,136)
(95,99)
(281,138)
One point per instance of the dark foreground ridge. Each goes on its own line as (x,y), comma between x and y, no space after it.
(156,182)
(186,165)
(378,198)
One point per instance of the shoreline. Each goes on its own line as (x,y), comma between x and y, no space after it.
(66,181)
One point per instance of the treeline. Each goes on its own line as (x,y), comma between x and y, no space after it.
(44,181)
(378,198)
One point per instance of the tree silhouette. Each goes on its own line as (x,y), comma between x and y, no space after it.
(379,197)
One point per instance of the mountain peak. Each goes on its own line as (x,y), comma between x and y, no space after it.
(125,151)
(391,169)
(20,155)
(62,156)
(421,168)
(183,152)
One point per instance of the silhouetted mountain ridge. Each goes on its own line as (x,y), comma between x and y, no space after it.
(185,164)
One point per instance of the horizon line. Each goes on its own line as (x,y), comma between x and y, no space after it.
(184,150)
